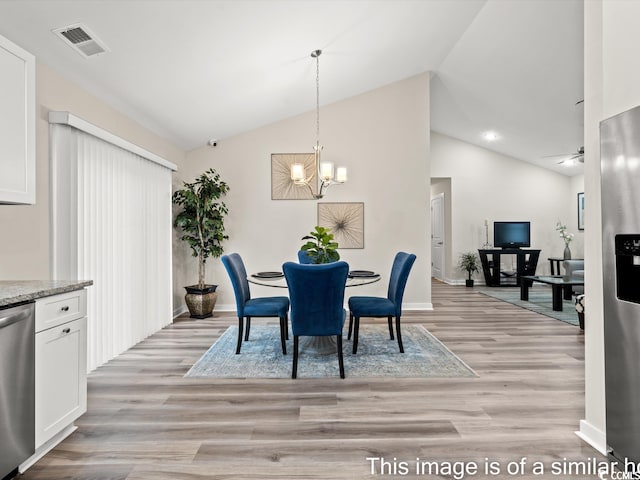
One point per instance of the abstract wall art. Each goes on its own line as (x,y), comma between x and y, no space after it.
(282,187)
(346,221)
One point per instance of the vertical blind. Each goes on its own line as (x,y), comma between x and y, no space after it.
(111,211)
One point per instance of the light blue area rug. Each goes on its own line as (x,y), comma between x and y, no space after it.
(539,301)
(378,356)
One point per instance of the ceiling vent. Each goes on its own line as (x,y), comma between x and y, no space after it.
(82,40)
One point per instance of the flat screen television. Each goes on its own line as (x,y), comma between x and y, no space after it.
(511,234)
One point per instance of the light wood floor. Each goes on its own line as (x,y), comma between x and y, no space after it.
(145,421)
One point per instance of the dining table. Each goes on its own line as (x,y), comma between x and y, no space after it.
(355,278)
(315,345)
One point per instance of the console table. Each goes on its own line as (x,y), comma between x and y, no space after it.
(526,264)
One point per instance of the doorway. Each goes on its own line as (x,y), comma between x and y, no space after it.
(437,237)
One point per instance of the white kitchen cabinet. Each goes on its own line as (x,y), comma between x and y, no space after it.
(61,363)
(17,124)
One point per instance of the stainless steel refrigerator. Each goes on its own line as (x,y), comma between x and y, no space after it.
(620,169)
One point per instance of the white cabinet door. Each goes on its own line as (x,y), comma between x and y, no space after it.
(61,377)
(17,124)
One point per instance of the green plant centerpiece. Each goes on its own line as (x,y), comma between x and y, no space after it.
(201,220)
(321,248)
(470,263)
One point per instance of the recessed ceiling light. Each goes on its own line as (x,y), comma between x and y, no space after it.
(490,136)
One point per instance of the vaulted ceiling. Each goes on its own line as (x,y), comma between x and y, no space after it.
(193,70)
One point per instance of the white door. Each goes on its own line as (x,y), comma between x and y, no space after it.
(437,236)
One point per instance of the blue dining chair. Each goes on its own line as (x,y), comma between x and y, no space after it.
(304,258)
(317,303)
(383,307)
(248,307)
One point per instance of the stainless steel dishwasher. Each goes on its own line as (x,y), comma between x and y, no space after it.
(17,386)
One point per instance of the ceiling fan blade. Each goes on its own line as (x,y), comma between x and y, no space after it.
(557,155)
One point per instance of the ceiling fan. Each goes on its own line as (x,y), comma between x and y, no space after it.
(570,158)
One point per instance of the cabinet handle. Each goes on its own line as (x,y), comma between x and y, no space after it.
(65,308)
(66,330)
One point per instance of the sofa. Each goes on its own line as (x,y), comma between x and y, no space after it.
(575,269)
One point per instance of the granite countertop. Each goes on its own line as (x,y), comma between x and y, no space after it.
(27,290)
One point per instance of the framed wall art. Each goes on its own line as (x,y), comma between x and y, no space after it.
(581,211)
(282,187)
(346,221)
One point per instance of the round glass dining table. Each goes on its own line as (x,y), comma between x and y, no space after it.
(270,279)
(316,345)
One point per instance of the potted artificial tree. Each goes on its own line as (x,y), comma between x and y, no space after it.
(470,263)
(201,219)
(320,246)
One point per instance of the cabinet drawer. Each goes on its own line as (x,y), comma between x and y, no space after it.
(59,309)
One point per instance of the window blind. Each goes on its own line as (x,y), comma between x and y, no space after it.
(111,223)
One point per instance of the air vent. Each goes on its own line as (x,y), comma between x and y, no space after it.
(82,40)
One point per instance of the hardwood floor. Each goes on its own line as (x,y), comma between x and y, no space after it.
(145,421)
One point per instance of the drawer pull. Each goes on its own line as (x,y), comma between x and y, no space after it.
(65,308)
(66,330)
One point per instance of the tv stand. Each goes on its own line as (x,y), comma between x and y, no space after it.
(526,264)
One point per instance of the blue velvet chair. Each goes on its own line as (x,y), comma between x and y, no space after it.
(317,303)
(383,307)
(304,258)
(248,307)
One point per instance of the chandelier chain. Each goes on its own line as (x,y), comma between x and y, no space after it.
(318,99)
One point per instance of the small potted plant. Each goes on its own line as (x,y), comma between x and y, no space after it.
(202,222)
(470,263)
(320,246)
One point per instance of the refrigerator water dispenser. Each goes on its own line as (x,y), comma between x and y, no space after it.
(627,248)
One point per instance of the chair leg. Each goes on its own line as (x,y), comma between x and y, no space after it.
(340,358)
(399,335)
(240,328)
(294,371)
(350,325)
(246,333)
(390,326)
(355,334)
(283,326)
(286,326)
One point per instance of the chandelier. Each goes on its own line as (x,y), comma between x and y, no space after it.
(325,169)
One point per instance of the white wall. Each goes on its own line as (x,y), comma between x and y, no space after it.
(488,185)
(25,256)
(612,85)
(381,136)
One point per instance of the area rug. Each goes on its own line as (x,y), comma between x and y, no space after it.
(539,301)
(378,356)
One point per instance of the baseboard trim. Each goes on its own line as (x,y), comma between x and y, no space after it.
(179,311)
(228,307)
(47,447)
(593,436)
(456,282)
(412,307)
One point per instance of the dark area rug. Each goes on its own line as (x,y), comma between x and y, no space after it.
(378,356)
(539,301)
